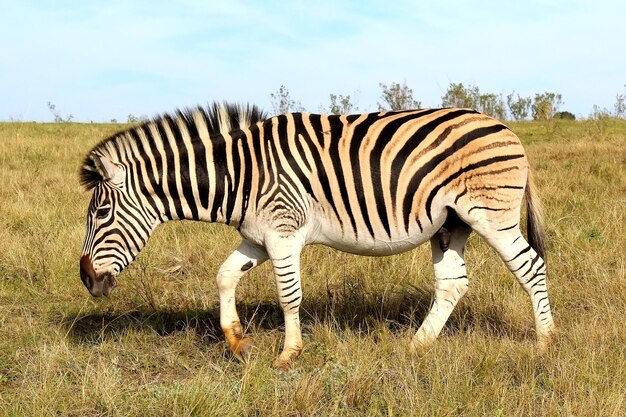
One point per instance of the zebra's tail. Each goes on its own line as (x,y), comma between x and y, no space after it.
(534,219)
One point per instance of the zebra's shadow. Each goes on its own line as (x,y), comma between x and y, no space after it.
(351,308)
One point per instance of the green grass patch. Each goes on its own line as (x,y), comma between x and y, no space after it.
(155,348)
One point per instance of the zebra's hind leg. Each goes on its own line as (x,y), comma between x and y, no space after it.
(243,259)
(451,282)
(530,270)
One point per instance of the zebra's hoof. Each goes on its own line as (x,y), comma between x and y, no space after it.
(242,349)
(287,359)
(415,349)
(282,366)
(544,343)
(419,345)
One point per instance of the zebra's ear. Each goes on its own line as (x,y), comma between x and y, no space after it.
(109,170)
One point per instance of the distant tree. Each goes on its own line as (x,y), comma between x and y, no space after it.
(493,105)
(600,113)
(458,95)
(340,104)
(136,119)
(620,106)
(397,97)
(57,116)
(283,103)
(520,107)
(545,105)
(564,115)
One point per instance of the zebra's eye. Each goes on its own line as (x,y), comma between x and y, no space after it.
(102,212)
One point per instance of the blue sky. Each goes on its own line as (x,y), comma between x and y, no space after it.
(99,60)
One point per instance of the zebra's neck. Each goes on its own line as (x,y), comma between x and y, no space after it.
(224,185)
(195,164)
(190,174)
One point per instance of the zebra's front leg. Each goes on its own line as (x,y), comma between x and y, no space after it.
(450,282)
(243,259)
(285,254)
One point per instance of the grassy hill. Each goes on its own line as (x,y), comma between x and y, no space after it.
(155,348)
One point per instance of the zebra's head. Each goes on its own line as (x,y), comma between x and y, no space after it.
(118,225)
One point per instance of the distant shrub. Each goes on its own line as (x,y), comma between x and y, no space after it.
(600,113)
(137,119)
(458,95)
(546,105)
(283,103)
(397,96)
(520,107)
(564,115)
(340,104)
(58,118)
(620,106)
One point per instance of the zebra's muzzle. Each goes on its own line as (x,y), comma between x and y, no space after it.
(97,284)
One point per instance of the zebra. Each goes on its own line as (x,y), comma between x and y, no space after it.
(370,184)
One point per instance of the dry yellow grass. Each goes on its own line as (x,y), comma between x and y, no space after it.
(154,348)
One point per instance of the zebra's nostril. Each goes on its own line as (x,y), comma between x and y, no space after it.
(86,279)
(87,273)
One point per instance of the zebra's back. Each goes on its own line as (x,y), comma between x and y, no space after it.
(382,183)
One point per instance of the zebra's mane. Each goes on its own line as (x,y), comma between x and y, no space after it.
(220,118)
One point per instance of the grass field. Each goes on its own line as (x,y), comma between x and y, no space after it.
(155,348)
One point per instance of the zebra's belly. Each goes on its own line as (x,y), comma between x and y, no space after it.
(362,244)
